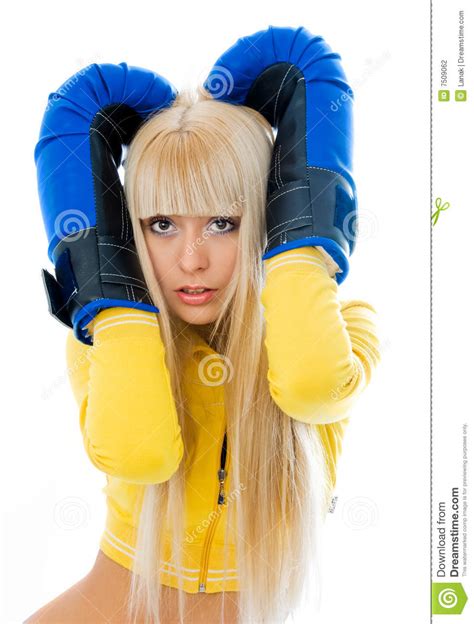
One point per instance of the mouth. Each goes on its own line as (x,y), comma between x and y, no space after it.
(194,291)
(203,295)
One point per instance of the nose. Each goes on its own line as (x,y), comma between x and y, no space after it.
(193,254)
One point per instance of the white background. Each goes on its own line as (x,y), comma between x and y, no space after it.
(53,510)
(453,340)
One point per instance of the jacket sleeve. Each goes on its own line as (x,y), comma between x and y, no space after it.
(127,413)
(321,352)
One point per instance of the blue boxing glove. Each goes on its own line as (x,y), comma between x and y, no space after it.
(78,153)
(297,83)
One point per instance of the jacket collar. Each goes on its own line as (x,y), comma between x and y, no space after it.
(199,353)
(200,345)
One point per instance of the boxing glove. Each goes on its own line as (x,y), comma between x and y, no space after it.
(297,83)
(86,123)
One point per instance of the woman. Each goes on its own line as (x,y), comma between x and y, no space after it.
(218,421)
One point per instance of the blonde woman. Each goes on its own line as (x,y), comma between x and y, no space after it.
(217,417)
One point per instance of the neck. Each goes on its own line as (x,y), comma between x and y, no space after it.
(204,331)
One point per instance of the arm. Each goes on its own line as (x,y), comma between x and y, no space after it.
(321,353)
(127,413)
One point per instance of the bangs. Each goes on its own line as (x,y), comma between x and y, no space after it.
(182,174)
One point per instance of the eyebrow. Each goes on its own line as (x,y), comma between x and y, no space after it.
(161,216)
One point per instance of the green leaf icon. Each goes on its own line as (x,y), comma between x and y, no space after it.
(447,598)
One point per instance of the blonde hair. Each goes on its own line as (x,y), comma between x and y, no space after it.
(202,157)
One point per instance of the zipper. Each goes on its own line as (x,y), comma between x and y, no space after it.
(221,475)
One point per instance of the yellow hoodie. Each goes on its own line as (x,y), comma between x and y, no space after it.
(321,355)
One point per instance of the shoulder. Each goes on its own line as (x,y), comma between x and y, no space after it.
(72,606)
(97,598)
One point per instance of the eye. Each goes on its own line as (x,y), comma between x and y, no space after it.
(159,220)
(224,221)
(163,222)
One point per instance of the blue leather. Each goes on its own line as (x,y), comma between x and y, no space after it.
(297,83)
(78,153)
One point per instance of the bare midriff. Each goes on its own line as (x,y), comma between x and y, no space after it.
(200,607)
(107,586)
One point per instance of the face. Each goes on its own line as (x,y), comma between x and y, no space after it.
(193,252)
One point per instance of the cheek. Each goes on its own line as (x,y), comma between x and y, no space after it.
(228,259)
(157,257)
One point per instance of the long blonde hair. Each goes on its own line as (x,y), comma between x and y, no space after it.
(202,157)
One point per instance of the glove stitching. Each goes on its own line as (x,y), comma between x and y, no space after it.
(115,126)
(278,94)
(289,221)
(324,169)
(119,246)
(279,165)
(285,192)
(127,276)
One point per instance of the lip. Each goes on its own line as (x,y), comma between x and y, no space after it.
(196,299)
(194,287)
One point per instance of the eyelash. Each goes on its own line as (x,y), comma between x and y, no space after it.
(159,220)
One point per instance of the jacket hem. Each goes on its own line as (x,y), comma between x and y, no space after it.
(118,543)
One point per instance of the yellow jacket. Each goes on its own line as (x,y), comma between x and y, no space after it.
(321,356)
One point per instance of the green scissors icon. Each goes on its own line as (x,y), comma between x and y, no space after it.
(439,208)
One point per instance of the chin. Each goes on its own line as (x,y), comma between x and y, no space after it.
(197,317)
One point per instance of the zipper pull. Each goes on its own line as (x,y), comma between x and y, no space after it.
(221,475)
